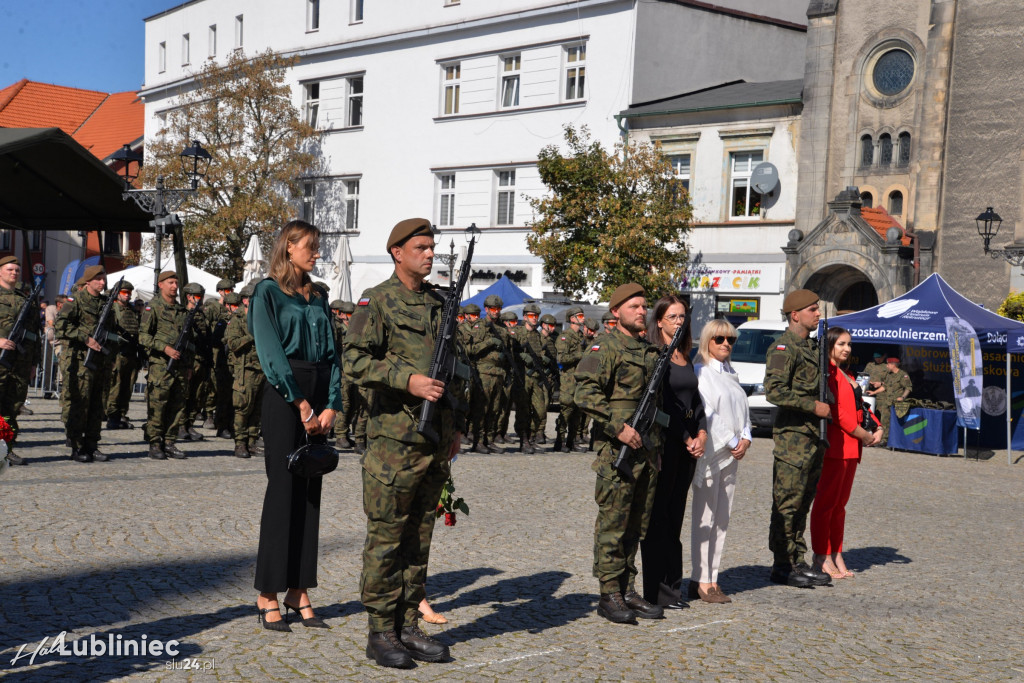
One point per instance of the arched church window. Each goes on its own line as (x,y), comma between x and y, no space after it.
(885,150)
(867,151)
(867,200)
(903,158)
(895,203)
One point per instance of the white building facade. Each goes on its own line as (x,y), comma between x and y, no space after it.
(438,108)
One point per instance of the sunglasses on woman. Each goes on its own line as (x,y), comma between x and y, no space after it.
(722,339)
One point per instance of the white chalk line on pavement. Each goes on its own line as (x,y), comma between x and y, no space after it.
(514,659)
(694,628)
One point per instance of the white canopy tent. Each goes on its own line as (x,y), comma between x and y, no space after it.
(141,278)
(255,262)
(340,272)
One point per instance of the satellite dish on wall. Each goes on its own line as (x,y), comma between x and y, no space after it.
(765,177)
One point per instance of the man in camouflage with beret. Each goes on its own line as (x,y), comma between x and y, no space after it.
(792,383)
(200,379)
(569,348)
(894,387)
(486,346)
(532,408)
(125,362)
(83,388)
(248,380)
(350,396)
(217,404)
(509,320)
(390,344)
(467,329)
(162,322)
(14,380)
(610,381)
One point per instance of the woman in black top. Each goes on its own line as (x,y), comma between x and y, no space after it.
(661,549)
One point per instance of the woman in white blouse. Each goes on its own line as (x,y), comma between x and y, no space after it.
(714,482)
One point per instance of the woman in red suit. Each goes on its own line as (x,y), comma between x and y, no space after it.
(846,438)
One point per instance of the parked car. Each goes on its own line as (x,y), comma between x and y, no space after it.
(748,358)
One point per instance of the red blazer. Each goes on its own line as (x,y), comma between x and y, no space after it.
(846,417)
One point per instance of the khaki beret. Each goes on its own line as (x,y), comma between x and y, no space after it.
(623,293)
(410,227)
(509,315)
(493,301)
(573,310)
(195,289)
(799,299)
(93,272)
(347,307)
(591,324)
(548,319)
(233,298)
(9,259)
(80,282)
(472,309)
(531,308)
(167,275)
(225,284)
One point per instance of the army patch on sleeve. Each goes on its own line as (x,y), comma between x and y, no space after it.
(776,362)
(149,308)
(364,301)
(780,347)
(595,347)
(590,363)
(359,320)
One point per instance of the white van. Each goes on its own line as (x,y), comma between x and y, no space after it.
(748,358)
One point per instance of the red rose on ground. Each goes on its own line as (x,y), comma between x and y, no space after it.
(440,507)
(6,433)
(449,519)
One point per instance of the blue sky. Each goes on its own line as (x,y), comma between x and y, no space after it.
(92,44)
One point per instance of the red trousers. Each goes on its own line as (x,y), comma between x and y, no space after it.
(828,516)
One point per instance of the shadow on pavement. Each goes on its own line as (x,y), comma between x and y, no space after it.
(744,578)
(859,559)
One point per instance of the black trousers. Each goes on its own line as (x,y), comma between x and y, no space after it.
(290,525)
(661,551)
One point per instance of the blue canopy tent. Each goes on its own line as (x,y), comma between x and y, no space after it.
(918,318)
(505,288)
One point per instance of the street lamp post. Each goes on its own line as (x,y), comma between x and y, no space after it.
(988,227)
(162,202)
(449,259)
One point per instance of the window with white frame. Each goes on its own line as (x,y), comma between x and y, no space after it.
(446,199)
(113,242)
(746,201)
(506,199)
(161,57)
(450,88)
(354,93)
(311,103)
(357,11)
(575,71)
(352,205)
(185,49)
(681,169)
(239,31)
(510,80)
(312,15)
(212,41)
(309,201)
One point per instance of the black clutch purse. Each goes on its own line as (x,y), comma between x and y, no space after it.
(313,459)
(868,423)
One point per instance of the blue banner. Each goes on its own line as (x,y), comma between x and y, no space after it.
(965,363)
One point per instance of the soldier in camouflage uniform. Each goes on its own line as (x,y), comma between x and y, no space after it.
(539,367)
(200,380)
(895,386)
(249,380)
(792,383)
(469,328)
(610,381)
(83,388)
(125,364)
(162,321)
(511,390)
(14,380)
(548,324)
(609,322)
(340,324)
(218,399)
(390,344)
(487,348)
(569,348)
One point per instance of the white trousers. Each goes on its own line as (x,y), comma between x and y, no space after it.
(710,507)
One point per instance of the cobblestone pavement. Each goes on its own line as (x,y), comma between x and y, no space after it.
(166,549)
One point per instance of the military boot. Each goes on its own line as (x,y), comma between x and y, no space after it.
(16,460)
(643,609)
(558,443)
(255,449)
(98,455)
(386,649)
(568,446)
(475,448)
(241,451)
(172,451)
(488,448)
(114,423)
(208,423)
(613,608)
(80,456)
(423,647)
(156,452)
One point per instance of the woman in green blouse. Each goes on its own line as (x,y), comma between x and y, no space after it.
(291,323)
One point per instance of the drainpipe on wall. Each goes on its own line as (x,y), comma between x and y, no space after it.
(624,131)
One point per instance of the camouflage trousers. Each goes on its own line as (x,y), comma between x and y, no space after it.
(531,405)
(13,390)
(505,409)
(165,402)
(798,460)
(220,400)
(82,392)
(119,387)
(623,513)
(359,428)
(200,386)
(492,392)
(567,425)
(884,415)
(350,405)
(401,488)
(477,406)
(246,400)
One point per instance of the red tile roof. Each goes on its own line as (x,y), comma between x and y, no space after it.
(879,219)
(99,122)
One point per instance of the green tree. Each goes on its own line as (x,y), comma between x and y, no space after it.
(242,113)
(609,218)
(1013,306)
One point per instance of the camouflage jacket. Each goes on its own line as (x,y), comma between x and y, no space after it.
(11,301)
(610,381)
(487,347)
(241,347)
(161,324)
(78,318)
(534,354)
(569,347)
(791,382)
(875,371)
(126,326)
(896,384)
(390,338)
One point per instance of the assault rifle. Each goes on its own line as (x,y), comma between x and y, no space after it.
(18,333)
(101,334)
(444,365)
(514,377)
(824,395)
(539,365)
(183,336)
(647,413)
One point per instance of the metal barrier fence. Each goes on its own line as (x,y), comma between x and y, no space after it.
(48,376)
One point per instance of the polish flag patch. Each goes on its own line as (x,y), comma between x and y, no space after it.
(364,301)
(780,347)
(595,347)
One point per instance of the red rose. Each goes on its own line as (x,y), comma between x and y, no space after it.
(440,507)
(449,519)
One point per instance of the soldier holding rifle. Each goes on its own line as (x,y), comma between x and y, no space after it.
(17,374)
(390,348)
(792,382)
(610,382)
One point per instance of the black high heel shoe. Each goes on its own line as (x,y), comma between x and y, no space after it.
(280,625)
(312,622)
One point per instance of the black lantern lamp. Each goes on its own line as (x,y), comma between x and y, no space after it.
(127,156)
(198,158)
(473,233)
(988,226)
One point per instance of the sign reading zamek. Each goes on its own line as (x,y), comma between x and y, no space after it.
(760,278)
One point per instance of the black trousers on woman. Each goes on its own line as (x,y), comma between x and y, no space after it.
(661,551)
(290,525)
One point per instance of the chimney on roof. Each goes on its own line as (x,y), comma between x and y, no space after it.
(847,203)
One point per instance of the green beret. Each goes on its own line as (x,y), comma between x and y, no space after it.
(247,290)
(336,305)
(624,293)
(798,299)
(410,227)
(493,301)
(531,308)
(9,259)
(472,309)
(571,311)
(348,307)
(93,272)
(233,298)
(225,284)
(195,289)
(592,324)
(508,315)
(608,317)
(167,275)
(548,319)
